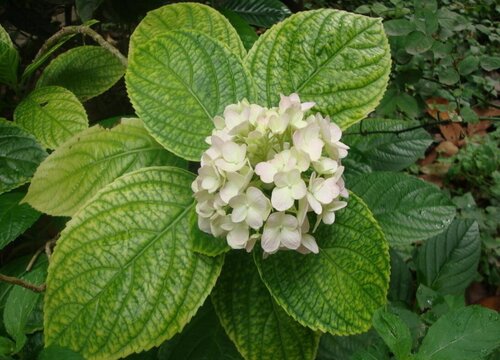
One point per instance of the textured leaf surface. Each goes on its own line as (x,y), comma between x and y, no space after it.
(343,347)
(337,59)
(388,151)
(469,333)
(394,332)
(87,71)
(15,218)
(337,290)
(178,82)
(124,277)
(22,302)
(408,209)
(206,244)
(187,16)
(20,155)
(202,339)
(258,326)
(9,59)
(262,13)
(52,114)
(90,160)
(401,285)
(448,262)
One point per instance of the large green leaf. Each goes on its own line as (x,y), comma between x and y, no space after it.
(124,277)
(52,114)
(469,333)
(58,353)
(202,339)
(337,59)
(22,302)
(408,209)
(87,71)
(9,59)
(401,285)
(343,347)
(262,13)
(246,32)
(394,332)
(448,262)
(20,155)
(258,326)
(339,289)
(187,16)
(178,82)
(385,151)
(15,218)
(91,160)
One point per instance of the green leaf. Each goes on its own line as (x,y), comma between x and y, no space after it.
(401,285)
(9,59)
(258,326)
(388,151)
(87,71)
(209,245)
(337,59)
(202,339)
(417,42)
(15,218)
(398,27)
(246,32)
(408,105)
(187,16)
(469,333)
(7,346)
(343,347)
(408,209)
(468,65)
(178,82)
(58,353)
(261,13)
(20,155)
(85,8)
(468,115)
(79,168)
(448,262)
(22,302)
(337,290)
(394,332)
(52,114)
(490,63)
(124,277)
(448,76)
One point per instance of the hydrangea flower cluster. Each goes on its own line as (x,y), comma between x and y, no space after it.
(269,174)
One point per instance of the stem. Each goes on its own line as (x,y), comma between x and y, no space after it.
(23,283)
(85,30)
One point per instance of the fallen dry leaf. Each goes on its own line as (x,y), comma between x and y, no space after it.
(437,169)
(480,128)
(434,112)
(447,149)
(436,180)
(453,133)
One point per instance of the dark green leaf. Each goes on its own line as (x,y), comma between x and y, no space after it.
(490,63)
(14,218)
(468,65)
(85,8)
(54,352)
(263,13)
(408,105)
(394,332)
(246,32)
(448,262)
(417,42)
(468,115)
(398,27)
(401,285)
(9,59)
(448,76)
(343,347)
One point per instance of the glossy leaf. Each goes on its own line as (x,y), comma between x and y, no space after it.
(261,13)
(187,16)
(124,277)
(87,71)
(52,114)
(178,82)
(202,339)
(15,218)
(79,168)
(258,326)
(9,59)
(20,155)
(337,59)
(388,151)
(394,332)
(448,262)
(468,333)
(337,290)
(408,209)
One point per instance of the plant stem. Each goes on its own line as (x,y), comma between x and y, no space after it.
(85,30)
(23,283)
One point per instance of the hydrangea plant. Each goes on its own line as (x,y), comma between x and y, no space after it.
(140,256)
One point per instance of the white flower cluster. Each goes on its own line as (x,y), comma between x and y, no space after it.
(268,173)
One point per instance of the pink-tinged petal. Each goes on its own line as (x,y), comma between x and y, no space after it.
(314,149)
(254,219)
(307,105)
(309,243)
(315,204)
(337,205)
(326,191)
(290,222)
(329,217)
(335,133)
(281,199)
(266,171)
(290,239)
(238,237)
(299,190)
(239,214)
(251,243)
(270,240)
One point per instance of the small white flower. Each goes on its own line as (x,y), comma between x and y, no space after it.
(307,140)
(210,178)
(277,123)
(321,192)
(289,187)
(235,183)
(280,230)
(328,216)
(325,166)
(308,244)
(233,157)
(253,207)
(238,236)
(284,161)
